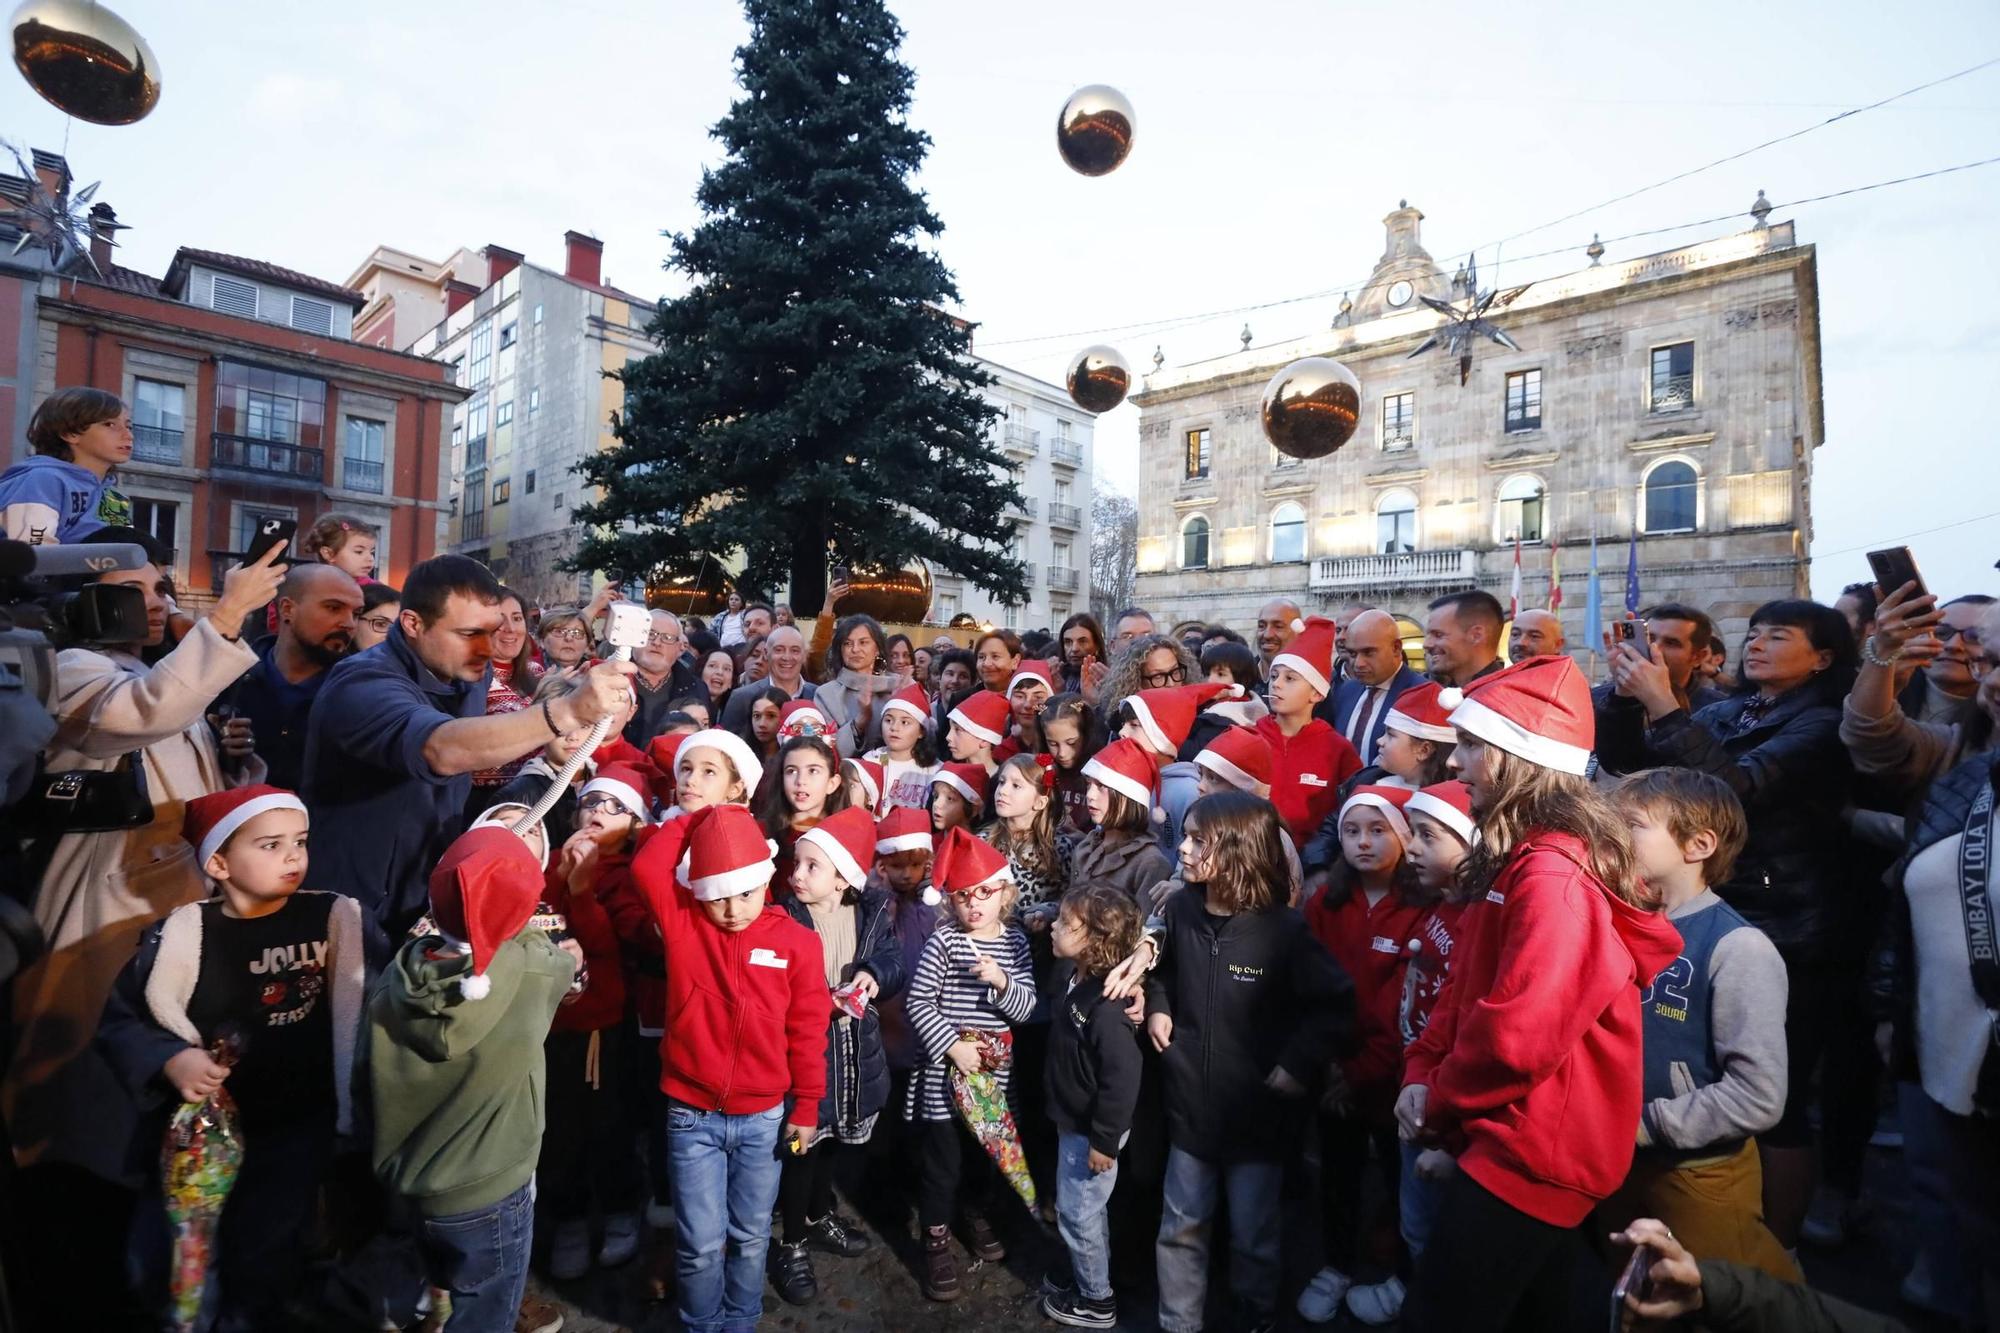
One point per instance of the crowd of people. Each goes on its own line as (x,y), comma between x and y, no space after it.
(507,950)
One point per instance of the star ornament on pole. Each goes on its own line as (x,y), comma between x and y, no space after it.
(1465,321)
(61,224)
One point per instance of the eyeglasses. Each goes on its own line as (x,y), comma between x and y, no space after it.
(663,640)
(567,635)
(380,624)
(598,801)
(1946,633)
(979,892)
(1157,680)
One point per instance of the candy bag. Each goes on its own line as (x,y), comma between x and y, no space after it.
(198,1165)
(982,1104)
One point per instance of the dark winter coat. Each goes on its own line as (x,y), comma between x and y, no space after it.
(1132,866)
(1247,993)
(1792,774)
(857,1067)
(1094,1063)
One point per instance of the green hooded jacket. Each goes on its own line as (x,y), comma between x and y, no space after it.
(457,1083)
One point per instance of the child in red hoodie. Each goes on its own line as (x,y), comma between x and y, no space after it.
(1364,916)
(1310,760)
(1533,1057)
(587,1148)
(747,1016)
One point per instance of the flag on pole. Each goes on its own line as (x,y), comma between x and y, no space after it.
(1555,579)
(1632,574)
(1593,598)
(1514,603)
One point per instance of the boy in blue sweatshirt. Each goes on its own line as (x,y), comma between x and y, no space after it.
(63,494)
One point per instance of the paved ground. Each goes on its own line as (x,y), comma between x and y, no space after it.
(878,1292)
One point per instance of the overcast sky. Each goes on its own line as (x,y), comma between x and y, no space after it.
(1272,139)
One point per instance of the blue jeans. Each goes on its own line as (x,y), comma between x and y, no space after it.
(1416,1201)
(1081,1219)
(1188,1212)
(725,1173)
(481,1257)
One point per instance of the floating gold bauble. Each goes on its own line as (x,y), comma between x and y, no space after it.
(86,60)
(706,593)
(1098,378)
(1311,407)
(1094,132)
(894,597)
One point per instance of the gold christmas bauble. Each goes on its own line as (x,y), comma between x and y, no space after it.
(894,597)
(1094,132)
(86,60)
(1311,407)
(1098,378)
(706,593)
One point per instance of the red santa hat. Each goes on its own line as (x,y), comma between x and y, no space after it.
(910,699)
(965,861)
(1242,758)
(1032,671)
(848,839)
(801,717)
(903,829)
(1167,715)
(1449,803)
(627,784)
(749,769)
(872,780)
(505,816)
(1418,713)
(968,780)
(727,853)
(1538,710)
(209,821)
(983,715)
(483,891)
(1310,653)
(1128,768)
(1389,800)
(663,750)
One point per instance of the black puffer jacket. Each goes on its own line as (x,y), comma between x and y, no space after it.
(857,1067)
(1792,774)
(1247,993)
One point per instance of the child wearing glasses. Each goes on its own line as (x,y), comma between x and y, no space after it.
(380,605)
(973,982)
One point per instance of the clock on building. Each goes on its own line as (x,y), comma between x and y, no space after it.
(1400,293)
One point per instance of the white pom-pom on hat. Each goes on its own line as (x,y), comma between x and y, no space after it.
(1159,815)
(1450,697)
(931,896)
(475,985)
(1298,626)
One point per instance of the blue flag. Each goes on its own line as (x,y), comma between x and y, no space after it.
(1593,599)
(1632,574)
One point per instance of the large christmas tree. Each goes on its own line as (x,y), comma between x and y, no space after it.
(811,403)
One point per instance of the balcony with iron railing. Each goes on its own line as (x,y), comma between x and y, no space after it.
(1028,507)
(1064,516)
(472,527)
(1673,393)
(1020,440)
(269,460)
(1065,453)
(1440,568)
(1062,578)
(156,444)
(361,474)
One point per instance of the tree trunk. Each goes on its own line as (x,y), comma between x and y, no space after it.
(808,572)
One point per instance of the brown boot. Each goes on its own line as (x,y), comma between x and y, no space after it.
(981,1240)
(940,1265)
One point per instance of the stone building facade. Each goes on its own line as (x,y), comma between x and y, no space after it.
(1674,396)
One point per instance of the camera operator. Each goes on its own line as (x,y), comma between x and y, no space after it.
(71,1122)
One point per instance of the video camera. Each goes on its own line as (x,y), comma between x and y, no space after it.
(41,609)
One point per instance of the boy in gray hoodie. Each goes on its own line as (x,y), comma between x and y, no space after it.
(455,1031)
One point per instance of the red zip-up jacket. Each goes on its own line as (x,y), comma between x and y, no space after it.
(1306,773)
(1372,945)
(1534,1050)
(601,1003)
(1428,953)
(747,1011)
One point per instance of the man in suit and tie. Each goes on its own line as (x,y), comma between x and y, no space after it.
(1376,674)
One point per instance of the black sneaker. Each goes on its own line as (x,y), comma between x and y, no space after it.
(1079,1311)
(792,1273)
(834,1234)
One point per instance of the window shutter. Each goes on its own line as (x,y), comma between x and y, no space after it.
(234,298)
(309,316)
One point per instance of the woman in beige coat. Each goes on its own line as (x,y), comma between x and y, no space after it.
(101,890)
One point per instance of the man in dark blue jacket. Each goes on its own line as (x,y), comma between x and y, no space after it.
(398,731)
(317,605)
(1377,673)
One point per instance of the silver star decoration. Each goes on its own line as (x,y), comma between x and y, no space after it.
(1466,321)
(62,225)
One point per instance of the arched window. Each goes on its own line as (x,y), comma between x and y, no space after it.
(1194,543)
(1521,504)
(1396,523)
(1671,489)
(1288,534)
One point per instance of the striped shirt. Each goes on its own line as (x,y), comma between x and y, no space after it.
(943,999)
